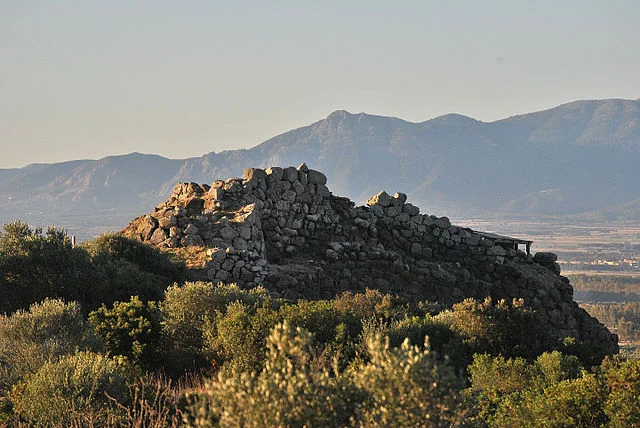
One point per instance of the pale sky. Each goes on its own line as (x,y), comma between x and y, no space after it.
(88,79)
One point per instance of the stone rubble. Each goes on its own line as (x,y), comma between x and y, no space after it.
(283,229)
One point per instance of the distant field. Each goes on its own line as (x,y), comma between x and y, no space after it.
(564,236)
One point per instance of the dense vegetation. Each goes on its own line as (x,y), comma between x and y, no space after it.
(615,301)
(606,288)
(623,318)
(36,265)
(128,342)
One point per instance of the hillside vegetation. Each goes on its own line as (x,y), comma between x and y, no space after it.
(112,333)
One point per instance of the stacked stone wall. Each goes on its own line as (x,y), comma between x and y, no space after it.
(282,228)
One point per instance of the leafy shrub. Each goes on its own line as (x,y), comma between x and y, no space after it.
(35,265)
(76,390)
(573,402)
(623,398)
(239,337)
(125,267)
(517,393)
(113,246)
(371,303)
(553,367)
(30,338)
(291,390)
(190,310)
(130,329)
(406,387)
(500,328)
(319,317)
(414,328)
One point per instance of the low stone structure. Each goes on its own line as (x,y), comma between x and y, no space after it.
(282,228)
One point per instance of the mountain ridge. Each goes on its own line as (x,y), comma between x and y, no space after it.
(452,164)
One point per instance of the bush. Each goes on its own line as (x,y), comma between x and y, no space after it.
(575,402)
(415,328)
(623,383)
(499,328)
(293,389)
(125,267)
(407,387)
(130,329)
(45,332)
(371,303)
(553,389)
(113,246)
(239,337)
(554,367)
(190,310)
(36,265)
(77,390)
(319,317)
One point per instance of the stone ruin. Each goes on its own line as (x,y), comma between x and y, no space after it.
(283,229)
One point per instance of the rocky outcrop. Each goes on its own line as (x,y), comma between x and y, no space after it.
(282,228)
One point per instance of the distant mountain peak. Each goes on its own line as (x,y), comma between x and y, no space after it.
(339,115)
(453,164)
(453,119)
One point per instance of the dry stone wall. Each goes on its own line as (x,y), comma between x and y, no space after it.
(282,228)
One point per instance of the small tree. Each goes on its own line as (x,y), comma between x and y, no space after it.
(130,329)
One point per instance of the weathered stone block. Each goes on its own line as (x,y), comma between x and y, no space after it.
(545,257)
(442,222)
(290,174)
(383,199)
(400,198)
(254,174)
(316,177)
(275,172)
(158,236)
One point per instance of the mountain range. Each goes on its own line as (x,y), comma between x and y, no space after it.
(579,160)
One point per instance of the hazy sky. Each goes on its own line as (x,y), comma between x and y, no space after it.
(87,79)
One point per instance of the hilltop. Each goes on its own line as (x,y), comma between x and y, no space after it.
(282,228)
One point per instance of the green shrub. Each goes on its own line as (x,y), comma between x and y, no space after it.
(554,367)
(500,328)
(35,265)
(130,329)
(77,390)
(292,390)
(492,380)
(513,392)
(568,403)
(30,338)
(319,317)
(623,398)
(191,311)
(240,337)
(414,328)
(113,246)
(371,303)
(406,386)
(125,267)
